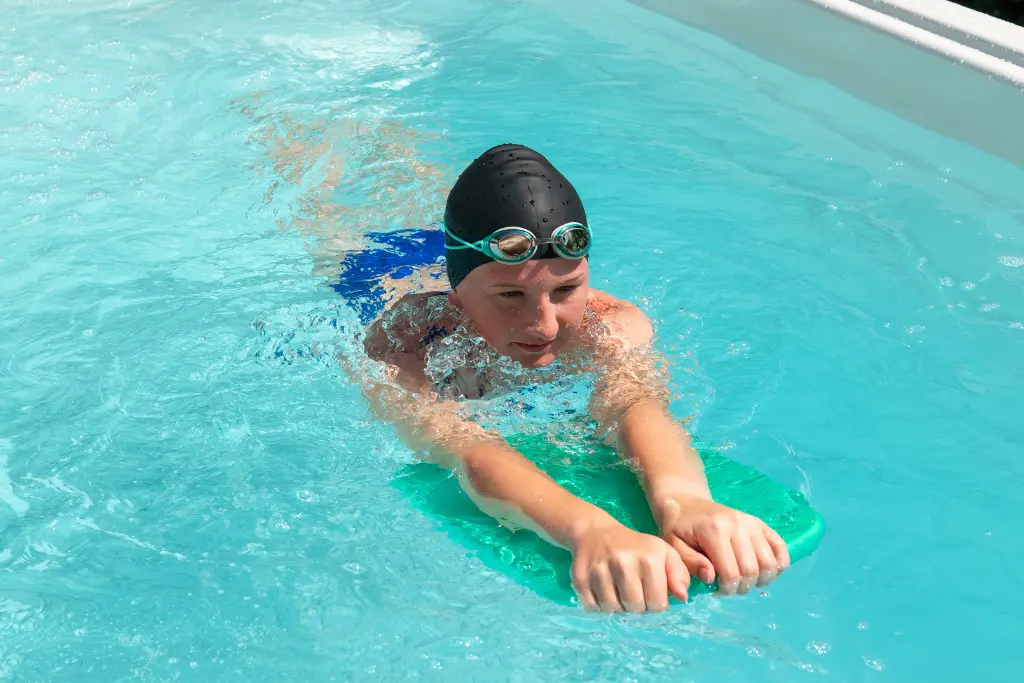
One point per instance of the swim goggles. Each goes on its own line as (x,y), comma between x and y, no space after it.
(517,245)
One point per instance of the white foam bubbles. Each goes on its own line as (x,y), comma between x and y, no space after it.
(359,50)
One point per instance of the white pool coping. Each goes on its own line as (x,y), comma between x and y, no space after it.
(954,31)
(948,69)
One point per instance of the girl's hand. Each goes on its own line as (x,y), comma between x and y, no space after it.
(617,569)
(713,539)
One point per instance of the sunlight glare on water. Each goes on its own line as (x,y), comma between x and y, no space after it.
(190,490)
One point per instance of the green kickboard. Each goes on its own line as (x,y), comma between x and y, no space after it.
(595,473)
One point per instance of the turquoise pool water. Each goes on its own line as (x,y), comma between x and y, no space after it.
(189,491)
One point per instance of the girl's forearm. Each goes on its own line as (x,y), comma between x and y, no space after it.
(509,487)
(660,448)
(501,481)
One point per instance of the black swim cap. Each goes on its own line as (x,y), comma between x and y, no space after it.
(508,185)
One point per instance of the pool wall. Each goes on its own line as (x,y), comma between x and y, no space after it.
(947,68)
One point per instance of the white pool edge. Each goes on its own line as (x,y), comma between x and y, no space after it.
(999,46)
(943,17)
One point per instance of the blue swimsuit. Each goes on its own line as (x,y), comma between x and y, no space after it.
(402,253)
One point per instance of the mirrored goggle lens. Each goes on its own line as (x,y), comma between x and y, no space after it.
(512,246)
(575,241)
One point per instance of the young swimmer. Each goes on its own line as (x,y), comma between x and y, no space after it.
(517,244)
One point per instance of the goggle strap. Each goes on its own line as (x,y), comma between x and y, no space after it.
(465,244)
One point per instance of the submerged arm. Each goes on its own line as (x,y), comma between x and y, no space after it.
(502,482)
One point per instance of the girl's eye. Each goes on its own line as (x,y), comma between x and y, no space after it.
(510,295)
